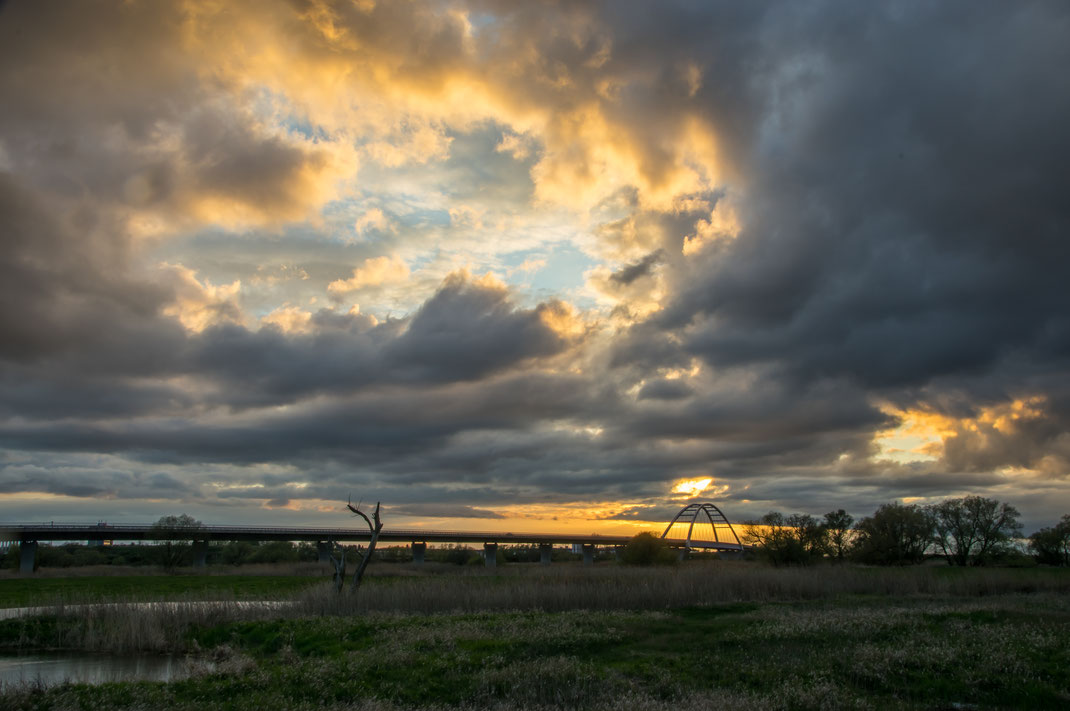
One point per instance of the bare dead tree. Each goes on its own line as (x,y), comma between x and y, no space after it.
(339,567)
(375,525)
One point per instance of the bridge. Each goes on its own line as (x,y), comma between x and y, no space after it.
(723,536)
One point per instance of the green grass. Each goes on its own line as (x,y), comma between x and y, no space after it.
(26,592)
(980,641)
(1007,652)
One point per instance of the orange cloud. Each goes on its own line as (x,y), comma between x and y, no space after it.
(399,74)
(926,435)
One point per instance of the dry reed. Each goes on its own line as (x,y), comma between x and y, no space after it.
(163,626)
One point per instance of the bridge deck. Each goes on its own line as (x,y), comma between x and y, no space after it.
(52,531)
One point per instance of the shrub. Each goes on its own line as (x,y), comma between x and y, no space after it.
(1051,546)
(647,549)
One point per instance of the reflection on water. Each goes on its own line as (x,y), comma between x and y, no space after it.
(50,668)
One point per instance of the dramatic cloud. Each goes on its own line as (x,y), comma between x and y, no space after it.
(537,262)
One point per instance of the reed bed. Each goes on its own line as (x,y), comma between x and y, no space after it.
(622,588)
(303,568)
(125,626)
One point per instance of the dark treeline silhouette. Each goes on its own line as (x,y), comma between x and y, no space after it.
(971,530)
(165,554)
(175,554)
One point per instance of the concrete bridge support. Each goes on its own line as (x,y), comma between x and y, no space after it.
(27,556)
(418,550)
(546,552)
(323,551)
(200,554)
(588,554)
(683,554)
(490,554)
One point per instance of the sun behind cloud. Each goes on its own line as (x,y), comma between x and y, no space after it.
(692,487)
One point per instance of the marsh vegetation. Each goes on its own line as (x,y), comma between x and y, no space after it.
(739,635)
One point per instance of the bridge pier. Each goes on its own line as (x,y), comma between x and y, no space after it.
(200,554)
(27,556)
(418,550)
(323,551)
(490,554)
(588,554)
(683,555)
(546,551)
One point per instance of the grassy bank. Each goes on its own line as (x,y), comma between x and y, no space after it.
(24,592)
(1006,652)
(731,635)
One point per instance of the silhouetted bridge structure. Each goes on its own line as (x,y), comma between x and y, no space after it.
(29,534)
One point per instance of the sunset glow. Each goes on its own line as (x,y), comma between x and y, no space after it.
(693,487)
(530,265)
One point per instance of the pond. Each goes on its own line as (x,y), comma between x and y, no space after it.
(50,668)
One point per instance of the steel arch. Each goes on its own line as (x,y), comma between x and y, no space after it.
(691,513)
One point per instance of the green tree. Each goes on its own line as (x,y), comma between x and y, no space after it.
(973,529)
(175,533)
(837,527)
(896,534)
(797,539)
(1051,546)
(274,552)
(647,549)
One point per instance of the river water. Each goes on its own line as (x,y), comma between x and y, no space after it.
(50,668)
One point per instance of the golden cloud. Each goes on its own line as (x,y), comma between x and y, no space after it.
(400,74)
(198,305)
(375,271)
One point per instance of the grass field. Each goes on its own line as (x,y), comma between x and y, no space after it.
(760,638)
(25,592)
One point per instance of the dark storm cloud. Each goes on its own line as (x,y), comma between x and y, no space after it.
(470,331)
(443,511)
(106,104)
(664,389)
(903,212)
(63,284)
(628,274)
(91,482)
(907,211)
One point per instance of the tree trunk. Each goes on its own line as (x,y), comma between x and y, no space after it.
(375,528)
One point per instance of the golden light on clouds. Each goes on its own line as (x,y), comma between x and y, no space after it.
(922,435)
(562,319)
(556,252)
(197,304)
(722,224)
(376,271)
(919,436)
(289,319)
(692,487)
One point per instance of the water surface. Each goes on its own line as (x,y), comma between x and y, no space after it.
(49,668)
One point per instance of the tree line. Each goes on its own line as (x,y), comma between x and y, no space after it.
(972,530)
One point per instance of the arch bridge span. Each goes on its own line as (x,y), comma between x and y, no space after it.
(27,536)
(708,518)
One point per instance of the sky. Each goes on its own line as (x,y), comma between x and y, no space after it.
(531,266)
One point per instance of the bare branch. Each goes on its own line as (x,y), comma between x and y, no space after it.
(375,525)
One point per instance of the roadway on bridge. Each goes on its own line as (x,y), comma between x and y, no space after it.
(58,531)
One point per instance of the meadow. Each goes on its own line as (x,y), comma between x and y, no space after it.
(700,635)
